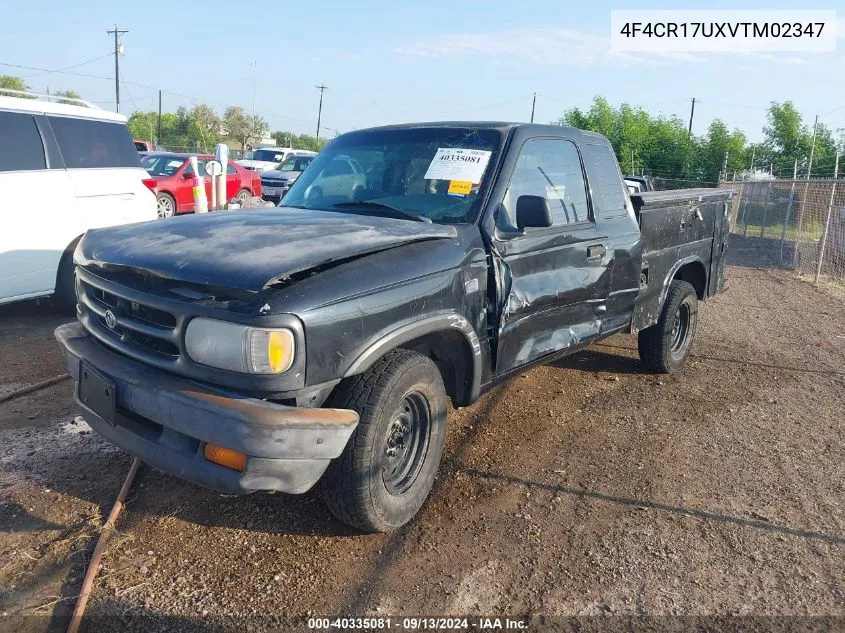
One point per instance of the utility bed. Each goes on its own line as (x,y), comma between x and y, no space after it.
(677,227)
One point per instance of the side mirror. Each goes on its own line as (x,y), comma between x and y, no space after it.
(533,212)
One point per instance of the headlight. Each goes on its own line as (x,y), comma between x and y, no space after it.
(241,348)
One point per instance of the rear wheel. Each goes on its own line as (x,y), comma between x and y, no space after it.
(243,196)
(165,205)
(664,346)
(387,469)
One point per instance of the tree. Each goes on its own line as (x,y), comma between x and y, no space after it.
(69,94)
(718,141)
(204,126)
(661,144)
(242,127)
(13,83)
(299,141)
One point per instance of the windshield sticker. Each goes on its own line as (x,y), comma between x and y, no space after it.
(453,163)
(459,188)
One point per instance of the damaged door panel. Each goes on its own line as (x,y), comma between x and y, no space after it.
(556,275)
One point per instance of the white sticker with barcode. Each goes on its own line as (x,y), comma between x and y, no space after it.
(454,163)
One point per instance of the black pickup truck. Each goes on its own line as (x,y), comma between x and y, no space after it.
(319,340)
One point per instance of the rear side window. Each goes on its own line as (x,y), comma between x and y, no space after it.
(21,148)
(87,144)
(605,181)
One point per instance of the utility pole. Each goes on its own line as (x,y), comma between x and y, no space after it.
(809,171)
(322,90)
(827,221)
(691,113)
(724,174)
(159,119)
(253,91)
(117,33)
(533,103)
(632,162)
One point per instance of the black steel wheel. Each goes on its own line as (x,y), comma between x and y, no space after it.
(406,444)
(664,346)
(388,466)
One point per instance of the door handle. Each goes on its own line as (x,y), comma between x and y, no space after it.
(595,252)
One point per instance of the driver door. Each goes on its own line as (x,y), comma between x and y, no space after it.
(553,278)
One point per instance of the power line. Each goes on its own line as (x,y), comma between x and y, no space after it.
(64,68)
(60,72)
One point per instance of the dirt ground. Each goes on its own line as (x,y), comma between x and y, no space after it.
(584,488)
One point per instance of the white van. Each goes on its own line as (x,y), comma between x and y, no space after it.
(269,158)
(64,169)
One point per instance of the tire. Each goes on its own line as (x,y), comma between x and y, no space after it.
(243,195)
(165,205)
(664,346)
(387,469)
(64,296)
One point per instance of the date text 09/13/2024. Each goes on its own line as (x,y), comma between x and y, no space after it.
(419,624)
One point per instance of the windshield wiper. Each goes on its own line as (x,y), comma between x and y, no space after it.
(402,214)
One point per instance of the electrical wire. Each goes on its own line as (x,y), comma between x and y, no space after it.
(61,70)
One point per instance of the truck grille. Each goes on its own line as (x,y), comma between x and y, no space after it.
(122,318)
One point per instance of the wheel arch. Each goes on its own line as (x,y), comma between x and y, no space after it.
(448,339)
(690,269)
(68,251)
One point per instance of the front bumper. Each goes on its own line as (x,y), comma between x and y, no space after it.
(274,192)
(166,420)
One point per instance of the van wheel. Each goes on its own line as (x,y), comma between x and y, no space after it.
(64,296)
(387,469)
(664,346)
(165,205)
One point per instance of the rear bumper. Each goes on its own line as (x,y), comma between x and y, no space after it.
(166,420)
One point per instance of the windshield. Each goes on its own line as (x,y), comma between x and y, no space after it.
(271,156)
(438,173)
(161,165)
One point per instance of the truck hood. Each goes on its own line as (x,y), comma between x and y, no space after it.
(249,249)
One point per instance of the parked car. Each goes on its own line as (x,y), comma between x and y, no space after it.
(64,169)
(276,182)
(638,184)
(339,178)
(142,146)
(173,181)
(321,339)
(268,158)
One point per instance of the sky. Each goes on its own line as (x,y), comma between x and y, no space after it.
(389,61)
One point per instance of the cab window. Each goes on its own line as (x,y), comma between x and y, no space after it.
(550,168)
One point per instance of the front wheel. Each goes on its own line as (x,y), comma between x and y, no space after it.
(664,346)
(387,469)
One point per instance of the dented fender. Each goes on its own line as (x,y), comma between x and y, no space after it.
(407,332)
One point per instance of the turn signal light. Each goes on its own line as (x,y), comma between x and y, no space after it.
(225,457)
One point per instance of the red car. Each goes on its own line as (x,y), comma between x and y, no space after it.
(172,181)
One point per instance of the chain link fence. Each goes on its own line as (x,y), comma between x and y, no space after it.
(794,224)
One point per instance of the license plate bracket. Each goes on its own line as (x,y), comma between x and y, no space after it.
(97,392)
